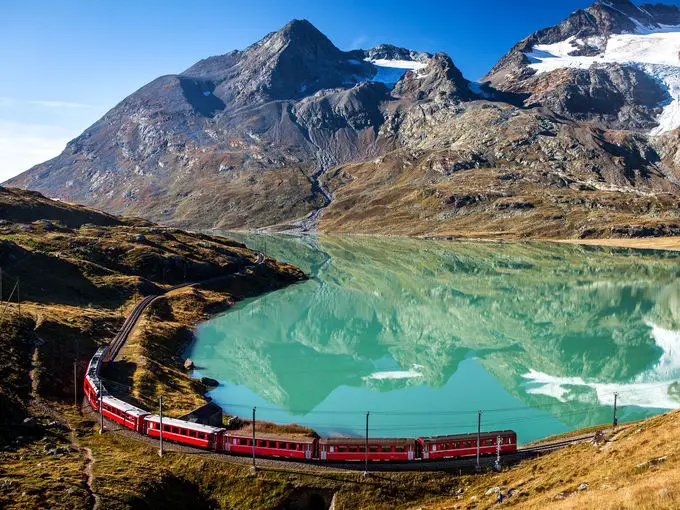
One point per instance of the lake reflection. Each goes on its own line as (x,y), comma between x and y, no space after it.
(424,333)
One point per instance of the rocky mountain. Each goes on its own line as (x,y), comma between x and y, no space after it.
(613,62)
(294,133)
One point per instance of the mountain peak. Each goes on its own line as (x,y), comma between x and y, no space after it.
(299,25)
(303,32)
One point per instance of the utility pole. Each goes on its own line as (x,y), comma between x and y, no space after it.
(479,437)
(254,467)
(75,384)
(366,447)
(497,464)
(160,430)
(615,421)
(101,409)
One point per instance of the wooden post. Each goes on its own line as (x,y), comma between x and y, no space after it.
(101,409)
(160,431)
(75,384)
(614,420)
(479,438)
(366,447)
(254,467)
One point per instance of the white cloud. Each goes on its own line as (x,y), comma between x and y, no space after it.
(6,102)
(58,104)
(25,145)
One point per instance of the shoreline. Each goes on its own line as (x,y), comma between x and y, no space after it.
(641,243)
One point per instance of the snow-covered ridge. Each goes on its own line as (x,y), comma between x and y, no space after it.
(657,53)
(391,71)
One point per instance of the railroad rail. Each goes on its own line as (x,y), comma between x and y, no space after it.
(131,321)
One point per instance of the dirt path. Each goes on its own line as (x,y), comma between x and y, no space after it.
(93,496)
(41,407)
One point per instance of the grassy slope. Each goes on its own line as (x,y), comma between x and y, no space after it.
(636,469)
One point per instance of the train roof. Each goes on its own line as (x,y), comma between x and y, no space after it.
(356,441)
(173,422)
(473,435)
(124,406)
(271,437)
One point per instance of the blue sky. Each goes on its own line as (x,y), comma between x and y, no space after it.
(65,63)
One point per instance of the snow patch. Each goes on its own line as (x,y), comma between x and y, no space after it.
(391,71)
(656,52)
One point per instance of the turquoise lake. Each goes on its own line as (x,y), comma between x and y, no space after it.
(422,334)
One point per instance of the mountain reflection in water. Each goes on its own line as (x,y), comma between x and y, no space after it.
(424,333)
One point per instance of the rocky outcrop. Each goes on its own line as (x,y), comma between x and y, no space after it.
(622,97)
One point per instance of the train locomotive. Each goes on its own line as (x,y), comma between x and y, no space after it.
(332,450)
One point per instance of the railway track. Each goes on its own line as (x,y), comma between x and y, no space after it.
(132,319)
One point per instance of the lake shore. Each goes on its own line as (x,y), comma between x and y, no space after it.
(646,243)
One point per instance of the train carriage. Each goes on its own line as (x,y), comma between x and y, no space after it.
(121,412)
(180,431)
(271,445)
(91,382)
(465,445)
(379,449)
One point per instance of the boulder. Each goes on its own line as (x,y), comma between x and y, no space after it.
(208,381)
(188,364)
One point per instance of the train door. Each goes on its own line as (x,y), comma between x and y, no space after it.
(426,451)
(323,452)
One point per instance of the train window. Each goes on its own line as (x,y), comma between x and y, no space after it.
(373,449)
(399,449)
(386,449)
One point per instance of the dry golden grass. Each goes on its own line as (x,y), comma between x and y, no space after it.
(636,469)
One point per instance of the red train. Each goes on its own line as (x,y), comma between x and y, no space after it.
(289,447)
